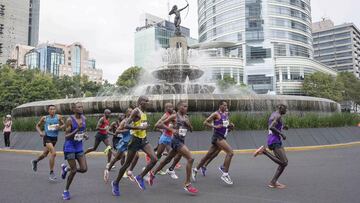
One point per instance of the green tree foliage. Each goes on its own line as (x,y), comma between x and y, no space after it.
(130,77)
(325,86)
(226,82)
(351,87)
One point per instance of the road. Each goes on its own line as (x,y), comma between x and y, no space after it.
(330,175)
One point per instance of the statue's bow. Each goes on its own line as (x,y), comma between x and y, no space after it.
(188,8)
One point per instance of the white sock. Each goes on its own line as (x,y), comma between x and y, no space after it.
(225,174)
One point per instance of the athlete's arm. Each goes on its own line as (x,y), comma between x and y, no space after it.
(61,121)
(38,126)
(112,126)
(188,123)
(134,114)
(99,123)
(273,128)
(210,119)
(167,120)
(157,124)
(121,127)
(68,133)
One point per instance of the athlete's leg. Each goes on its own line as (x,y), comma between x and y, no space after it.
(73,170)
(134,162)
(96,145)
(175,162)
(118,156)
(222,144)
(153,159)
(160,150)
(129,158)
(185,152)
(52,152)
(167,160)
(82,164)
(280,154)
(212,149)
(213,156)
(123,158)
(43,155)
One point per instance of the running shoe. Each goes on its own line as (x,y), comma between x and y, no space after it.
(226,178)
(193,174)
(151,178)
(172,174)
(125,175)
(140,181)
(52,176)
(161,172)
(259,151)
(115,189)
(203,170)
(66,195)
(34,165)
(190,189)
(63,171)
(178,166)
(107,149)
(106,175)
(222,168)
(107,166)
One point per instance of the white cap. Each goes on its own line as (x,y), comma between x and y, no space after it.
(8,116)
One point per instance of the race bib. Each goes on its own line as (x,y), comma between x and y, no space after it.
(143,124)
(182,132)
(79,136)
(52,127)
(226,123)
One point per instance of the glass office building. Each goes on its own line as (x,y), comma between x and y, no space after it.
(273,36)
(337,46)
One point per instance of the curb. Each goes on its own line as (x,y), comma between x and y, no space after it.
(241,151)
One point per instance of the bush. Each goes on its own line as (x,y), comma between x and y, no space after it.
(242,121)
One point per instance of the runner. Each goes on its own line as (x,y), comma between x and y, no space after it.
(165,139)
(275,144)
(102,135)
(7,130)
(73,147)
(181,126)
(137,122)
(116,136)
(219,121)
(52,123)
(122,147)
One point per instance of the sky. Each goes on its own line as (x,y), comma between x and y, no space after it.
(106,28)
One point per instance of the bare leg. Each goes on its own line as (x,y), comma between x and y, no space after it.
(222,144)
(52,151)
(167,160)
(213,148)
(96,145)
(129,158)
(134,161)
(185,152)
(43,155)
(280,154)
(107,143)
(73,170)
(82,164)
(150,152)
(118,156)
(160,150)
(214,155)
(175,162)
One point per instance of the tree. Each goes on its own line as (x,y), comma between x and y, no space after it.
(130,77)
(10,89)
(351,86)
(325,86)
(226,82)
(41,87)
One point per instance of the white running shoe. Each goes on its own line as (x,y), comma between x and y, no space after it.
(226,178)
(172,174)
(130,175)
(107,166)
(193,174)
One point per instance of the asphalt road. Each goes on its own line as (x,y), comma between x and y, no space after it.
(330,175)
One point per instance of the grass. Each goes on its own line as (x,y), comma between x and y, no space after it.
(242,121)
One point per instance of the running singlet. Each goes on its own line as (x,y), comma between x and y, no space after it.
(105,124)
(168,133)
(143,121)
(274,137)
(50,126)
(126,135)
(224,121)
(75,144)
(181,126)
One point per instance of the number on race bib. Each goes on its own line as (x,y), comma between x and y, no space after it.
(52,127)
(79,136)
(182,132)
(226,123)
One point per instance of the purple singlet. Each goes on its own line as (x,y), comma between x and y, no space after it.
(274,137)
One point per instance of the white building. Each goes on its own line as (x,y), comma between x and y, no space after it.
(272,40)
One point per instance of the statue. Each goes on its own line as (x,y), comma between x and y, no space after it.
(177,20)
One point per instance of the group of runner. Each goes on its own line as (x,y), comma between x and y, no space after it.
(130,136)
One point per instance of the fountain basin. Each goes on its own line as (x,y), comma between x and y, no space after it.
(197,103)
(177,73)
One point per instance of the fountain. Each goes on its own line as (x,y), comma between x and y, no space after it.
(178,80)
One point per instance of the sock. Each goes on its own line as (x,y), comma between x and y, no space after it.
(225,174)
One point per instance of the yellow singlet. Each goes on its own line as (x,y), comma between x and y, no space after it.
(143,120)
